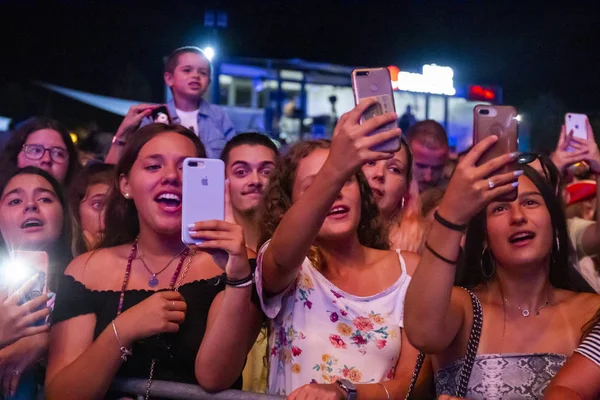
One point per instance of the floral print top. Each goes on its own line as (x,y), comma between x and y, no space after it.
(320,334)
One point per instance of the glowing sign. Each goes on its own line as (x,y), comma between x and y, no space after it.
(434,79)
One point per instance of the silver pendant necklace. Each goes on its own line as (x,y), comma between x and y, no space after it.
(153,281)
(525,311)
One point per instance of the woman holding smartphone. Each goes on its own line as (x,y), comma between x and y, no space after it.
(144,305)
(522,310)
(327,277)
(33,218)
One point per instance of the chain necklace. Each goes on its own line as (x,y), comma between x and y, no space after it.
(172,286)
(525,311)
(153,281)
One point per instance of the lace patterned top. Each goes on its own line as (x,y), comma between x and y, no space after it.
(320,333)
(503,376)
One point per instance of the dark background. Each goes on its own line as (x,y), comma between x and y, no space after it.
(544,55)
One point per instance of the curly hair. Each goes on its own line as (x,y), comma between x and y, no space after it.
(278,200)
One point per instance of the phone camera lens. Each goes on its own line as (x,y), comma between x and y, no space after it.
(193,164)
(484,112)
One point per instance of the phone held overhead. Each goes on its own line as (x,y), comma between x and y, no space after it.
(376,83)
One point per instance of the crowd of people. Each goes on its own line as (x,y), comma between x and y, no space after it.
(338,272)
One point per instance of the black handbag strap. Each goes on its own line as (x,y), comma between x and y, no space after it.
(472,345)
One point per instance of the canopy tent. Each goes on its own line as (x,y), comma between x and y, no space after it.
(110,104)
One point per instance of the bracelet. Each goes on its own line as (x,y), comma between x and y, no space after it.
(448,224)
(119,142)
(125,352)
(247,281)
(438,255)
(386,390)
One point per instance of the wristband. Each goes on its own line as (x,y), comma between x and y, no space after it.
(241,283)
(443,221)
(438,255)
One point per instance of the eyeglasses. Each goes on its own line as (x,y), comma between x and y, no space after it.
(37,151)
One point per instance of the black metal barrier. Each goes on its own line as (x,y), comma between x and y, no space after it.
(181,391)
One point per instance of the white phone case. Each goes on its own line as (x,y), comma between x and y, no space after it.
(203,193)
(578,124)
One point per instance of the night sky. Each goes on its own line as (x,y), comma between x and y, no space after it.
(529,48)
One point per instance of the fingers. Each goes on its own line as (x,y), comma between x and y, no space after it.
(494,164)
(229,216)
(176,305)
(35,330)
(382,137)
(356,113)
(33,305)
(343,119)
(503,179)
(141,108)
(34,317)
(176,316)
(216,244)
(27,286)
(210,235)
(590,131)
(477,151)
(172,327)
(171,295)
(500,191)
(562,139)
(213,225)
(377,122)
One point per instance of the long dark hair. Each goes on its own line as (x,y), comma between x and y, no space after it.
(122,224)
(10,153)
(59,254)
(278,200)
(478,259)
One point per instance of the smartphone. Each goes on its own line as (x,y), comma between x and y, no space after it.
(203,196)
(21,267)
(377,83)
(500,121)
(576,123)
(160,115)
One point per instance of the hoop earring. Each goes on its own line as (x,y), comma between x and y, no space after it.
(402,206)
(492,271)
(557,243)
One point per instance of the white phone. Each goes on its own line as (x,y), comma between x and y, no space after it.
(578,124)
(203,193)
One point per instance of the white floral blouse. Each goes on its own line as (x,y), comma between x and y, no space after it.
(320,334)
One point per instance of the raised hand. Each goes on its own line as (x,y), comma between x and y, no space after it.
(224,241)
(133,118)
(162,312)
(563,158)
(470,189)
(351,144)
